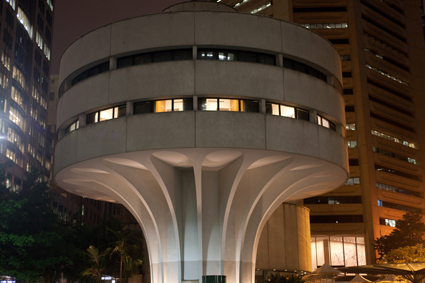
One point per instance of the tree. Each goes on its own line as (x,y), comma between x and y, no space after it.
(32,238)
(409,231)
(128,245)
(97,263)
(408,254)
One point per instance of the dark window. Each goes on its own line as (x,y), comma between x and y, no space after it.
(236,55)
(391,106)
(346,74)
(300,67)
(396,172)
(143,107)
(302,114)
(91,118)
(156,56)
(353,162)
(339,41)
(349,108)
(348,91)
(98,69)
(336,218)
(389,121)
(251,106)
(333,200)
(378,85)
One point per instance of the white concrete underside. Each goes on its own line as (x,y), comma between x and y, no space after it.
(202,210)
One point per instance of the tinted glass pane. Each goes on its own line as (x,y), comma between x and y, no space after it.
(162,56)
(124,62)
(247,57)
(187,104)
(207,54)
(251,106)
(142,59)
(143,107)
(267,59)
(289,64)
(302,114)
(122,111)
(91,118)
(184,54)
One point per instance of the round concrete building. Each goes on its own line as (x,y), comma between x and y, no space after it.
(202,121)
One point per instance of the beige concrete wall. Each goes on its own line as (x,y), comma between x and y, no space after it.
(285,240)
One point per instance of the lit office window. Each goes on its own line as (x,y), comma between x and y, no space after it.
(39,40)
(47,51)
(5,60)
(19,77)
(338,251)
(325,122)
(74,126)
(12,3)
(394,139)
(15,138)
(50,4)
(180,104)
(255,11)
(325,26)
(350,126)
(221,104)
(164,105)
(352,144)
(17,97)
(287,111)
(23,19)
(107,114)
(16,117)
(353,181)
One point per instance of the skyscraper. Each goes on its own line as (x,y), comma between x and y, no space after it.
(382,52)
(24,85)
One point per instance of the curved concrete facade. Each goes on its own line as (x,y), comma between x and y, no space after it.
(202,184)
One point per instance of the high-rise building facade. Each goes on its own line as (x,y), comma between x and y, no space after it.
(382,52)
(26,32)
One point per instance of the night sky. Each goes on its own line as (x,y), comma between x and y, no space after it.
(74,18)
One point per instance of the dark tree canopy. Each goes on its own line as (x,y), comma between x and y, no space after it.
(36,244)
(409,231)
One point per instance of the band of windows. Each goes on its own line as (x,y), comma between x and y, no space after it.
(398,206)
(333,200)
(187,54)
(204,104)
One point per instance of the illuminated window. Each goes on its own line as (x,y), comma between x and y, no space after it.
(221,104)
(325,122)
(387,222)
(19,77)
(255,11)
(50,4)
(74,126)
(107,114)
(287,111)
(16,117)
(39,40)
(394,139)
(350,126)
(392,77)
(352,144)
(5,60)
(4,81)
(12,3)
(15,138)
(23,19)
(325,26)
(353,181)
(47,51)
(17,97)
(236,55)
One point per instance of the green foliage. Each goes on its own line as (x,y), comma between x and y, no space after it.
(35,244)
(277,278)
(407,254)
(97,263)
(409,231)
(32,238)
